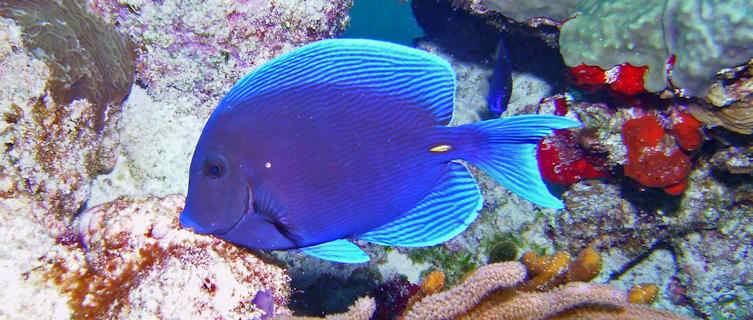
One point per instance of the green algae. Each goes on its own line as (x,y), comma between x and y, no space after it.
(454,264)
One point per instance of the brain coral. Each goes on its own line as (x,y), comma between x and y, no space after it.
(705,36)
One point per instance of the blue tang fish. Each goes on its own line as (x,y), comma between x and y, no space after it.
(500,86)
(348,139)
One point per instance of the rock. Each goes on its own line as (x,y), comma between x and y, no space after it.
(60,95)
(129,259)
(189,55)
(716,267)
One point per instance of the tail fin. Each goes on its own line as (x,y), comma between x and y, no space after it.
(507,152)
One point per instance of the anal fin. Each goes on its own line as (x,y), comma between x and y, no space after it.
(340,250)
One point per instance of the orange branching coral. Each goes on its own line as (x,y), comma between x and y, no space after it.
(643,293)
(544,272)
(548,272)
(586,266)
(362,309)
(433,283)
(458,300)
(494,292)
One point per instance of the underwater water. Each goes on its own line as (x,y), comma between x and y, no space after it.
(423,159)
(383,20)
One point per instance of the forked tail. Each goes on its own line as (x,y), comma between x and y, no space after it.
(507,152)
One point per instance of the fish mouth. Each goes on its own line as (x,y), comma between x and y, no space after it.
(249,206)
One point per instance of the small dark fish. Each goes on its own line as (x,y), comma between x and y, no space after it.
(500,87)
(348,138)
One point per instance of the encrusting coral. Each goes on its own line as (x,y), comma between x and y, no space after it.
(129,259)
(548,272)
(362,309)
(643,293)
(495,291)
(729,102)
(63,75)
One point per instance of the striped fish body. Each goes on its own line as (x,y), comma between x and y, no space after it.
(349,139)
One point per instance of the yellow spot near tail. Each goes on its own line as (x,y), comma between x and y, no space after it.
(441,148)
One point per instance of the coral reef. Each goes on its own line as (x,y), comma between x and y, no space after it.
(87,58)
(395,295)
(652,160)
(204,47)
(523,11)
(716,267)
(319,294)
(704,37)
(545,273)
(624,79)
(643,293)
(362,309)
(651,140)
(562,156)
(433,283)
(130,259)
(189,55)
(491,293)
(729,102)
(734,159)
(63,75)
(607,217)
(597,216)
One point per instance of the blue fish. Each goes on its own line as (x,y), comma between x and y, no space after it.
(500,87)
(348,139)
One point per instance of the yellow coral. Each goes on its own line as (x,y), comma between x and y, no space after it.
(456,301)
(433,283)
(548,272)
(643,293)
(544,272)
(586,266)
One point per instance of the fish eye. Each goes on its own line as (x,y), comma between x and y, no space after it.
(214,168)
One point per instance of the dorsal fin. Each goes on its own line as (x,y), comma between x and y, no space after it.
(408,75)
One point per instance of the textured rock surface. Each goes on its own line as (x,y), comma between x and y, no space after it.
(716,266)
(55,139)
(597,216)
(128,259)
(190,54)
(524,10)
(729,102)
(705,36)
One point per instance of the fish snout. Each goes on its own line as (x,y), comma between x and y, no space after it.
(186,222)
